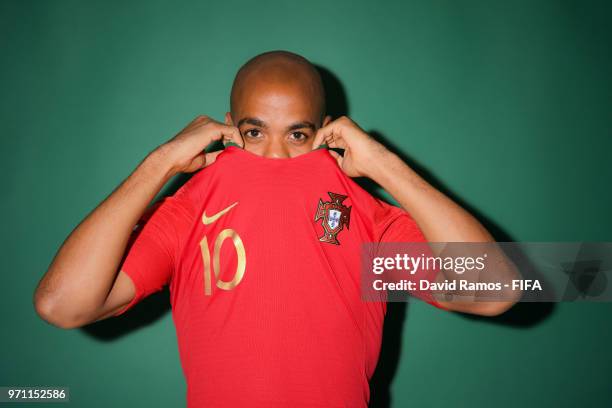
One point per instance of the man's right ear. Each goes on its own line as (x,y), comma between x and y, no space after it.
(228,119)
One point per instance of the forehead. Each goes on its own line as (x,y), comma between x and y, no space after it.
(274,101)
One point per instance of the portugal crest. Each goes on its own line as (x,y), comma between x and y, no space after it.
(335,216)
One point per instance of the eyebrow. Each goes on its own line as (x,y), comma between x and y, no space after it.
(251,121)
(302,125)
(262,124)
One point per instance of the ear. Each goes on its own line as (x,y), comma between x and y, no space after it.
(228,119)
(326,120)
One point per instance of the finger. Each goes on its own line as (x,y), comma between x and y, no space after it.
(196,163)
(224,133)
(335,140)
(323,136)
(320,137)
(330,135)
(211,157)
(337,156)
(231,134)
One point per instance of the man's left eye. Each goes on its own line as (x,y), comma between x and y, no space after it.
(298,136)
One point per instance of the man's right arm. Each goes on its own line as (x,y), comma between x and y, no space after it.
(83,284)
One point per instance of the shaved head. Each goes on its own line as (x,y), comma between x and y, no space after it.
(274,69)
(278,104)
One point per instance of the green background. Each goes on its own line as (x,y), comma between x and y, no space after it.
(504,105)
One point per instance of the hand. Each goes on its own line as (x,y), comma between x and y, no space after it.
(361,152)
(185,151)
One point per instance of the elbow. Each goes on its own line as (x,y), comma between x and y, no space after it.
(510,298)
(507,299)
(484,308)
(494,309)
(48,311)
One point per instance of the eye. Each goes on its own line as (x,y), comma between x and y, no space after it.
(299,136)
(254,133)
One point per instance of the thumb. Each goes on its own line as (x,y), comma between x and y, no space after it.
(195,164)
(211,157)
(337,156)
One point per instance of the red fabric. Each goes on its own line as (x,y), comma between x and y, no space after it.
(401,227)
(153,246)
(294,331)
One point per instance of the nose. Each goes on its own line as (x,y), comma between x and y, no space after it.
(276,149)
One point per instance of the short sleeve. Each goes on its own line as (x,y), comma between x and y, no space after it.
(397,225)
(154,245)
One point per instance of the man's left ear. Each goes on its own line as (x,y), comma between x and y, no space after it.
(326,120)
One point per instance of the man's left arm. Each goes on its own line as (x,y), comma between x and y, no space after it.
(439,218)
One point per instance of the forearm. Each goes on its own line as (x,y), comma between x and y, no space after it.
(440,219)
(84,269)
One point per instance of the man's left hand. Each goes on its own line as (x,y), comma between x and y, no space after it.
(361,152)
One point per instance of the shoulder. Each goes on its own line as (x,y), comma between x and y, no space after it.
(197,182)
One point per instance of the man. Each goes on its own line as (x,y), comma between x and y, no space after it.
(260,247)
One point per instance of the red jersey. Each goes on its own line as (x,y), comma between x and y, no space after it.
(262,257)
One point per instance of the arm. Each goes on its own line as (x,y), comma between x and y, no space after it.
(440,219)
(82,283)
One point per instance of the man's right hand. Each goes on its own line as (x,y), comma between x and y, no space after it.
(185,151)
(83,283)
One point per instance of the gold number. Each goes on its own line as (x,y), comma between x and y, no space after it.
(240,267)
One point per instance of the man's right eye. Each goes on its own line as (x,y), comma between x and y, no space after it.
(253,133)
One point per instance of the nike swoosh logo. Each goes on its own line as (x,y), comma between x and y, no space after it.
(209,220)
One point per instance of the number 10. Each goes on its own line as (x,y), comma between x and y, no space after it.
(240,267)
